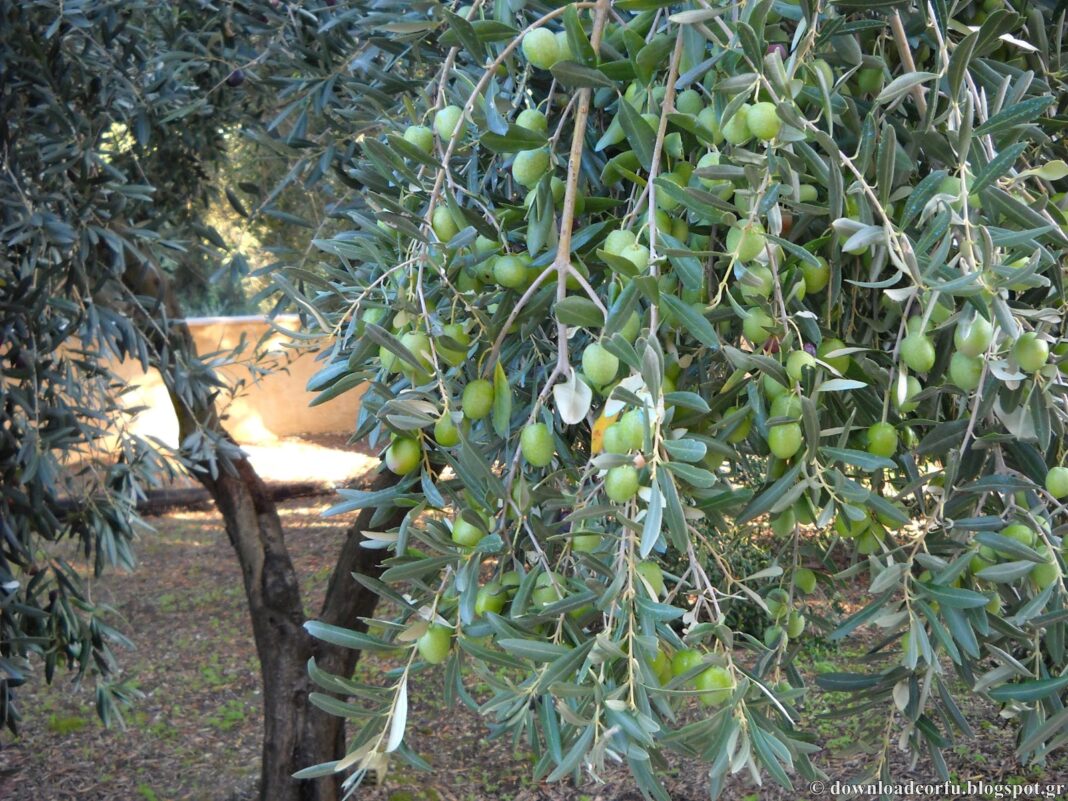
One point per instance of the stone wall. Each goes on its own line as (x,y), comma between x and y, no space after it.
(266,408)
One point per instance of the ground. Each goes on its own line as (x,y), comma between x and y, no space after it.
(195,734)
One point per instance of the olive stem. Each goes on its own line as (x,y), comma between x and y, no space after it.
(574,168)
(666,108)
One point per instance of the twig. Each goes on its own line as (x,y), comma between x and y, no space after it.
(443,171)
(573,272)
(902,42)
(523,300)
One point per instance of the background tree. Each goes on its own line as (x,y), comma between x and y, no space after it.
(640,273)
(116,117)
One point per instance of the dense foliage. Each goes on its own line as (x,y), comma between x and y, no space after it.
(846,315)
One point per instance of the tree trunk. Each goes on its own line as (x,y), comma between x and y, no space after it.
(296,734)
(277,614)
(345,603)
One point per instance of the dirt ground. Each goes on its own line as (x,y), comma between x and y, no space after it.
(196,733)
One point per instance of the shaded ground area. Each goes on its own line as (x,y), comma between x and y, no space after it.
(195,735)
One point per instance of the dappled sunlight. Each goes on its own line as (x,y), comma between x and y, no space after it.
(204,518)
(303,510)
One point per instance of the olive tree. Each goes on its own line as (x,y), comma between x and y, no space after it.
(630,275)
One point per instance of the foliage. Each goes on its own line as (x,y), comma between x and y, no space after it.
(846,315)
(119,118)
(236,279)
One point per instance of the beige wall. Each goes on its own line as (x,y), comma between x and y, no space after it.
(275,406)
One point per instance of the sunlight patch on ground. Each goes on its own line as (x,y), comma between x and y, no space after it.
(292,460)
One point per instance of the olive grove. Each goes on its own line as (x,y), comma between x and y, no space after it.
(628,279)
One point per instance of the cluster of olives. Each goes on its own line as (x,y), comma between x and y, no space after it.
(713,683)
(745,242)
(707,150)
(1041,575)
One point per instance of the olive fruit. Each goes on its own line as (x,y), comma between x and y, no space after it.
(1030,352)
(795,625)
(536,443)
(465,533)
(882,440)
(637,254)
(490,598)
(541,48)
(435,643)
(585,543)
(632,429)
(758,283)
(454,356)
(1020,533)
(446,432)
(652,573)
(533,120)
(757,325)
(746,241)
(763,121)
(742,428)
(716,685)
(509,271)
(529,166)
(598,364)
(443,224)
(477,401)
(446,121)
(689,102)
(912,389)
(973,337)
(1045,573)
(785,440)
(684,661)
(965,371)
(831,345)
(796,363)
(736,131)
(404,455)
(805,580)
(615,439)
(917,351)
(816,276)
(420,136)
(618,240)
(1057,482)
(621,483)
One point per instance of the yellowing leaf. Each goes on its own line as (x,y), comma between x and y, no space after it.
(597,434)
